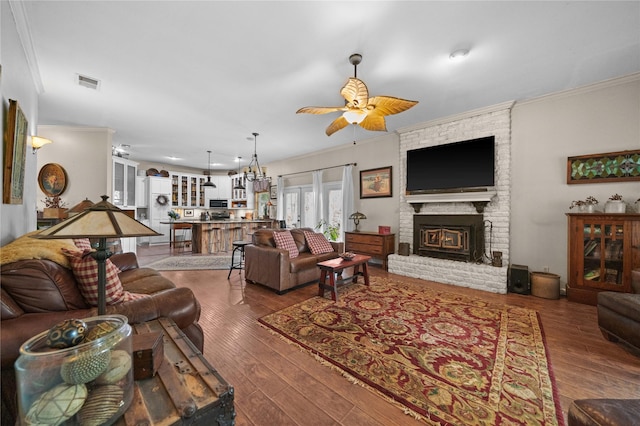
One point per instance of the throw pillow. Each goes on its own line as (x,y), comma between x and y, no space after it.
(284,240)
(317,243)
(85,269)
(82,243)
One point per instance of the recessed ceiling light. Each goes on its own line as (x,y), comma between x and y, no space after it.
(459,54)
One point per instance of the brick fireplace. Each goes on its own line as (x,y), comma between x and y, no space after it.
(457,258)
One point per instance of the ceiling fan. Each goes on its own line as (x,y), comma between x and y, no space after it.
(359,108)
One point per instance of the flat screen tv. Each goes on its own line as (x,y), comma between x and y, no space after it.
(454,167)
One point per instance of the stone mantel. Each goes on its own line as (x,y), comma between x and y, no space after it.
(478,198)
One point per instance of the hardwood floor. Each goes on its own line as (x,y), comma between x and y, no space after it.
(276,384)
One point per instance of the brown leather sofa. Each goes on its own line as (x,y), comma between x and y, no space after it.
(272,267)
(38,293)
(619,315)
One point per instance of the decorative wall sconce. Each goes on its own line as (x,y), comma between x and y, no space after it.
(37,142)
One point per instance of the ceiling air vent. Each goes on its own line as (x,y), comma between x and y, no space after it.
(88,82)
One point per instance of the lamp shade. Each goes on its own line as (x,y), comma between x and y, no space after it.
(38,142)
(102,220)
(357,215)
(80,207)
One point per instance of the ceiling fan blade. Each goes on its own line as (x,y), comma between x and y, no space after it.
(319,110)
(356,93)
(337,124)
(374,123)
(388,105)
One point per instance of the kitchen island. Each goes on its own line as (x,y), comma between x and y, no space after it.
(213,236)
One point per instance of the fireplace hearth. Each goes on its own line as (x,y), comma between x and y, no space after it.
(453,237)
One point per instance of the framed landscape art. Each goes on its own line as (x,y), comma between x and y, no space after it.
(15,146)
(376,183)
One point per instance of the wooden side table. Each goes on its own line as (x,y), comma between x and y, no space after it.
(185,390)
(378,246)
(329,269)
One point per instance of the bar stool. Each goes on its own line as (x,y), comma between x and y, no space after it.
(215,239)
(182,236)
(237,246)
(235,234)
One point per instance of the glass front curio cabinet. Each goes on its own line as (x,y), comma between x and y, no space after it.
(603,250)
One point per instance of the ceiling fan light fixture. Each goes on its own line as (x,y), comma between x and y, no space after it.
(360,109)
(354,116)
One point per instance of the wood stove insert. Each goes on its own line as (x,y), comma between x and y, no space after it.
(453,237)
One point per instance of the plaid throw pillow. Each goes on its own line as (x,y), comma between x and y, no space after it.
(284,241)
(82,243)
(317,243)
(85,269)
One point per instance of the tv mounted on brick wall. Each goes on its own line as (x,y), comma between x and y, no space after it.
(455,167)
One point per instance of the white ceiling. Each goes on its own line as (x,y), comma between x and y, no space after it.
(179,78)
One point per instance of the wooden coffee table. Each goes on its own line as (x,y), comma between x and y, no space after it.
(332,269)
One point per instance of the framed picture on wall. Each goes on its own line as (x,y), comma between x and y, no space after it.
(376,183)
(15,146)
(52,179)
(274,191)
(188,213)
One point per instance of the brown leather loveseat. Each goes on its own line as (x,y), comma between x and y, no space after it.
(619,315)
(272,267)
(39,293)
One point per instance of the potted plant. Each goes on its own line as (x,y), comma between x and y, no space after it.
(173,215)
(331,231)
(54,208)
(615,204)
(587,206)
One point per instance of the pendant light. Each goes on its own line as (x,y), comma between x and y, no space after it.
(208,183)
(239,184)
(255,173)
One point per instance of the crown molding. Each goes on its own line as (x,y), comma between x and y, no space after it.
(630,78)
(457,117)
(77,129)
(24,33)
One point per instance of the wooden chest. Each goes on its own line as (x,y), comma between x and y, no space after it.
(148,353)
(376,245)
(186,390)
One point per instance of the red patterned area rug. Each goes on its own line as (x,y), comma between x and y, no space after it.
(447,359)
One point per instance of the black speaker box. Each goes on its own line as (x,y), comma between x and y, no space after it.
(518,279)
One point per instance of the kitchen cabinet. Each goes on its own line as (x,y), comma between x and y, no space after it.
(188,190)
(123,185)
(159,205)
(238,196)
(603,250)
(142,192)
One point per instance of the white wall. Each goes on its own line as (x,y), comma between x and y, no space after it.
(595,119)
(379,151)
(599,118)
(16,82)
(85,154)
